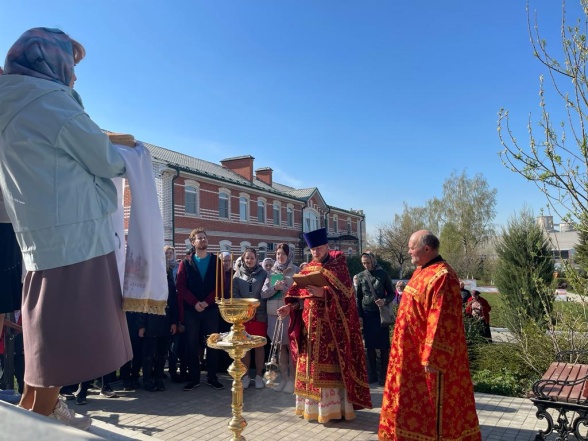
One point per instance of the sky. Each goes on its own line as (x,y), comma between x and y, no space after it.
(374,102)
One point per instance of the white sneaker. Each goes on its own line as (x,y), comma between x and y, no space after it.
(259,384)
(68,417)
(246,381)
(280,386)
(289,388)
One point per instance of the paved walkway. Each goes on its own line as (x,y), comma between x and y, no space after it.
(203,414)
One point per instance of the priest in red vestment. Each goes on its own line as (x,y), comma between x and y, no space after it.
(325,337)
(429,394)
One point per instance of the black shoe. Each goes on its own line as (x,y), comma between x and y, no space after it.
(382,382)
(135,384)
(191,385)
(150,386)
(159,385)
(81,399)
(215,384)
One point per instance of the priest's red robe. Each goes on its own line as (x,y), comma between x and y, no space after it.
(429,331)
(326,337)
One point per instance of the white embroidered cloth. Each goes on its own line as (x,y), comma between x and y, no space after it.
(142,264)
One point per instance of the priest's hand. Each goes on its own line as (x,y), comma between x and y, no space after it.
(283,311)
(316,291)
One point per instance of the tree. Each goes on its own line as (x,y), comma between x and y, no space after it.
(464,217)
(524,272)
(556,159)
(581,248)
(394,237)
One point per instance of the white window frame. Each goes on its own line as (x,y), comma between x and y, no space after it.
(261,210)
(290,215)
(311,220)
(244,207)
(192,188)
(277,213)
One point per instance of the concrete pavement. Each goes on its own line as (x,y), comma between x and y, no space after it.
(203,414)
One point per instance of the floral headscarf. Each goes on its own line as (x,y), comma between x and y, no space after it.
(44,53)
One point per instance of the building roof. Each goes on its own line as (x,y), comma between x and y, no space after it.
(215,171)
(563,240)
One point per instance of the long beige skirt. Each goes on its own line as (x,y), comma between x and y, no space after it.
(74,328)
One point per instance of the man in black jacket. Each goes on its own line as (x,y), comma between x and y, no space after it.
(196,285)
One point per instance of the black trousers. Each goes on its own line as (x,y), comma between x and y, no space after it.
(130,370)
(198,325)
(177,354)
(154,353)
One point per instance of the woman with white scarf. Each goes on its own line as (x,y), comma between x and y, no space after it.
(278,281)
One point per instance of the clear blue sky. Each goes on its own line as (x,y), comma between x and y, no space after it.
(374,102)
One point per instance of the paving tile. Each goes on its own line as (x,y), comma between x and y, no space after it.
(204,414)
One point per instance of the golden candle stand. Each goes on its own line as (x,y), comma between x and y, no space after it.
(236,342)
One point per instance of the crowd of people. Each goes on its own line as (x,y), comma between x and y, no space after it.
(63,241)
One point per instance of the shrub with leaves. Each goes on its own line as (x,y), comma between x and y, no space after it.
(499,369)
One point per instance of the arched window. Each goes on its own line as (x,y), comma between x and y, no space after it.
(261,211)
(225,245)
(311,220)
(190,200)
(277,210)
(261,251)
(290,215)
(223,205)
(243,208)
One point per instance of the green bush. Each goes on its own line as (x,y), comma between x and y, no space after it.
(503,382)
(499,369)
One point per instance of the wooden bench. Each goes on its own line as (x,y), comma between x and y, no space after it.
(564,388)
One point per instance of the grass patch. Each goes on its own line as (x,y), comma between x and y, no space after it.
(498,316)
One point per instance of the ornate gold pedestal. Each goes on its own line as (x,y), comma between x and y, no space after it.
(237,343)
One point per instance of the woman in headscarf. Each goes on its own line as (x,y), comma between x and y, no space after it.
(276,285)
(247,283)
(171,262)
(267,264)
(56,167)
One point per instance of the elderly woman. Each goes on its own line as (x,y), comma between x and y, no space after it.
(56,167)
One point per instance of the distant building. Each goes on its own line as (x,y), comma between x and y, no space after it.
(240,206)
(562,239)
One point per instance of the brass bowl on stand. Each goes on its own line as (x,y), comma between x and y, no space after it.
(237,342)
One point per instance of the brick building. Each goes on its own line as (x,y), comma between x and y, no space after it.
(241,206)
